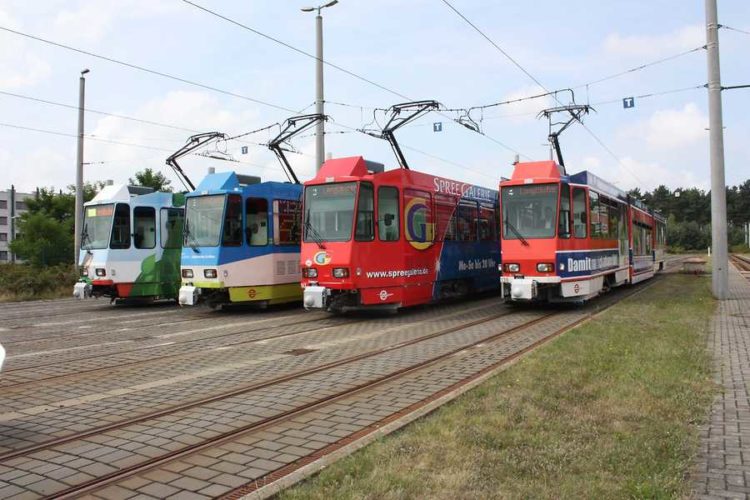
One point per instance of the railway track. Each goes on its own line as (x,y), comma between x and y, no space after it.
(742,263)
(256,385)
(468,332)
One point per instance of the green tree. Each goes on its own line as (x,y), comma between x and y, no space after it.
(44,240)
(155,180)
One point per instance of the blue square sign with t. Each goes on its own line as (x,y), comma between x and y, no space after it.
(628,102)
(244,150)
(437,127)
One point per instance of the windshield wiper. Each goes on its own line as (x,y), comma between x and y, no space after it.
(85,237)
(190,239)
(311,231)
(516,232)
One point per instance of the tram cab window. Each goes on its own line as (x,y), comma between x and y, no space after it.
(144,227)
(172,222)
(286,218)
(121,227)
(256,229)
(563,225)
(365,229)
(388,220)
(232,232)
(580,221)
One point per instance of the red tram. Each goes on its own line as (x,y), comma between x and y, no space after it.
(571,237)
(389,239)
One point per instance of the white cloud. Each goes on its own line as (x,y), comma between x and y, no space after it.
(19,66)
(196,110)
(91,21)
(685,38)
(671,129)
(630,173)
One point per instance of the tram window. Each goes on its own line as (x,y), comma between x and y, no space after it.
(172,221)
(286,222)
(418,222)
(121,227)
(486,227)
(144,227)
(595,215)
(365,230)
(232,232)
(465,222)
(256,230)
(563,225)
(579,213)
(445,207)
(388,219)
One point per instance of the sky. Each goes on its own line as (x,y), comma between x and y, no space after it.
(416,49)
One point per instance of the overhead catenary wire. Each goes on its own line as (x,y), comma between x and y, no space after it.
(332,65)
(96,111)
(534,79)
(210,87)
(724,26)
(146,70)
(638,68)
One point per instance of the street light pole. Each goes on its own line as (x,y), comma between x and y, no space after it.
(320,146)
(720,261)
(79,170)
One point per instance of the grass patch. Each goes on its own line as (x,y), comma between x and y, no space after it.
(608,410)
(25,282)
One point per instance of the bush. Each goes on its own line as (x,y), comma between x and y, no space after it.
(23,282)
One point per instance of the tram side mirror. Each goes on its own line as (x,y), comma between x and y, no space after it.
(565,223)
(388,219)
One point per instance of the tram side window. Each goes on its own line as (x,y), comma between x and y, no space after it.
(287,215)
(365,230)
(256,231)
(594,215)
(388,219)
(563,226)
(232,235)
(465,222)
(418,222)
(144,227)
(580,221)
(172,222)
(121,227)
(487,224)
(445,207)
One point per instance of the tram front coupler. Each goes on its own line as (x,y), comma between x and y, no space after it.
(520,289)
(189,295)
(316,297)
(82,290)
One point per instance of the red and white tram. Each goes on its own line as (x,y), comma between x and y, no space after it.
(395,238)
(571,237)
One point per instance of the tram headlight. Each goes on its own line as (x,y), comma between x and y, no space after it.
(340,272)
(100,272)
(512,268)
(309,272)
(187,273)
(545,267)
(210,273)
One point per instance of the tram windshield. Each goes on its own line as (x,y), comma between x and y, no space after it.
(203,215)
(529,211)
(97,226)
(329,212)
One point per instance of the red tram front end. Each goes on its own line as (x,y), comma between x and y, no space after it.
(570,237)
(396,238)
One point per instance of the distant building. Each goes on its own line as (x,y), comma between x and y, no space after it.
(12,205)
